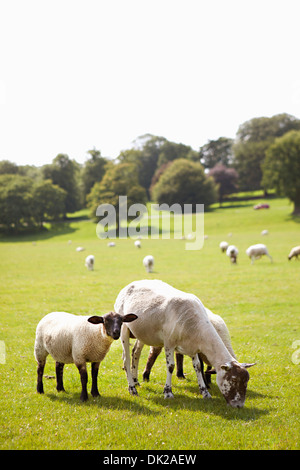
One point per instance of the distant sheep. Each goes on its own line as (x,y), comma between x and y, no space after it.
(223,246)
(89,262)
(232,252)
(75,339)
(148,262)
(294,252)
(111,244)
(80,248)
(257,251)
(265,232)
(137,244)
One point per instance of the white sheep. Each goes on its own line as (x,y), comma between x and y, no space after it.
(75,339)
(294,252)
(257,251)
(148,262)
(80,248)
(178,321)
(137,244)
(223,246)
(111,244)
(232,252)
(222,330)
(90,262)
(265,232)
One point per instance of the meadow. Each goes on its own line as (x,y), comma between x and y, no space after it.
(260,303)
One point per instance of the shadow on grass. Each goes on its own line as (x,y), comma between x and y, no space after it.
(109,402)
(215,406)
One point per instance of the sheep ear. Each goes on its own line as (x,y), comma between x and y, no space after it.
(247,365)
(129,317)
(95,319)
(226,366)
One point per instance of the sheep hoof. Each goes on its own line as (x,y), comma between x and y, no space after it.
(206,394)
(132,391)
(168,392)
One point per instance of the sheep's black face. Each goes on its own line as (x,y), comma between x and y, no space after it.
(112,322)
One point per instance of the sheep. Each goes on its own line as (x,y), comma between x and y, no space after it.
(111,244)
(89,262)
(137,244)
(257,251)
(264,232)
(74,339)
(294,252)
(232,252)
(148,262)
(175,320)
(80,248)
(222,330)
(223,246)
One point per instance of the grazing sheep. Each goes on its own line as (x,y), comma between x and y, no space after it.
(222,330)
(75,339)
(89,262)
(232,252)
(137,244)
(80,248)
(294,252)
(178,321)
(111,244)
(148,262)
(265,232)
(223,246)
(257,251)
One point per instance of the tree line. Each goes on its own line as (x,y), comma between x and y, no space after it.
(265,154)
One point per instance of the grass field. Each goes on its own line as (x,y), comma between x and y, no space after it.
(260,304)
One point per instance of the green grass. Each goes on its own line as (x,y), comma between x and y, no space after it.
(260,304)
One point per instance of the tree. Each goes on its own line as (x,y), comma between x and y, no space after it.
(92,172)
(16,202)
(184,182)
(216,152)
(119,180)
(226,179)
(281,168)
(252,141)
(63,172)
(49,201)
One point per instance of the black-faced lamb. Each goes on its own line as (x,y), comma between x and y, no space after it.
(294,252)
(76,339)
(257,251)
(177,321)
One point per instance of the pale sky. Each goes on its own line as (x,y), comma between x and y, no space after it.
(79,74)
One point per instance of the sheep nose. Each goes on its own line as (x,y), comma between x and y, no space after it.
(116,334)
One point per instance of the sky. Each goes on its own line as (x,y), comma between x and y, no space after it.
(82,74)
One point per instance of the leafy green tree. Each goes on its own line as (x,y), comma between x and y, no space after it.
(16,202)
(93,171)
(253,139)
(281,168)
(216,152)
(49,201)
(64,173)
(119,180)
(8,168)
(184,182)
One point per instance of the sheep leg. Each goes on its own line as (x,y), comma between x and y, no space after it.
(40,373)
(170,367)
(154,353)
(95,369)
(179,366)
(84,380)
(125,333)
(198,369)
(136,353)
(59,369)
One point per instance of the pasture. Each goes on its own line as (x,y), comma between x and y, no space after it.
(260,304)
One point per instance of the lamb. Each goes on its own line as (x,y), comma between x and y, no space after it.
(232,252)
(148,262)
(294,252)
(257,251)
(177,321)
(223,246)
(137,244)
(89,262)
(222,330)
(74,339)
